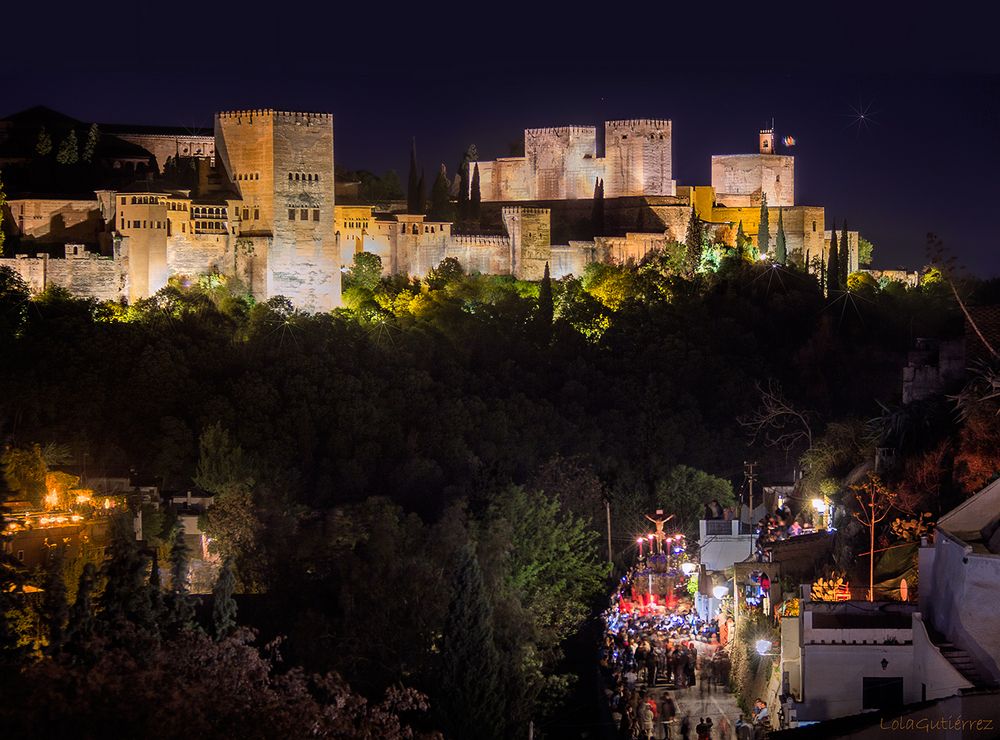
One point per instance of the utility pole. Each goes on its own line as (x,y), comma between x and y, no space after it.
(607,508)
(750,476)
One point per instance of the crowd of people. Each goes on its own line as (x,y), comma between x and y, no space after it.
(651,650)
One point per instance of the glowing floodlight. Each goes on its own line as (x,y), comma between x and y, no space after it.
(762,646)
(720,592)
(689,568)
(819,504)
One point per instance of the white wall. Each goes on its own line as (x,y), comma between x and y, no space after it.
(720,551)
(930,668)
(964,585)
(832,676)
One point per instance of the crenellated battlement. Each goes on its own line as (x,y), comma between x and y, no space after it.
(269,114)
(525,211)
(558,130)
(639,123)
(480,240)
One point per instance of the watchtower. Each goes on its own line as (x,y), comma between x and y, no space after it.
(637,158)
(282,164)
(767,140)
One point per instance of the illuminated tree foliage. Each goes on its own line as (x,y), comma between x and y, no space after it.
(69,149)
(43,146)
(764,230)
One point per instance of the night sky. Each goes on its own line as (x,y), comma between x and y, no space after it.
(927,157)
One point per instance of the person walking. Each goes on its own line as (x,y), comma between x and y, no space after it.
(686,727)
(646,721)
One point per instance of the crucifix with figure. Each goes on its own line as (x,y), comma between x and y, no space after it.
(659,522)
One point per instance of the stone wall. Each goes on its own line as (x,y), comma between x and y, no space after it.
(163,146)
(90,276)
(54,220)
(739,179)
(629,248)
(561,163)
(489,255)
(199,254)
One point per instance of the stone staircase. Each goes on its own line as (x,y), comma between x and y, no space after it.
(962,662)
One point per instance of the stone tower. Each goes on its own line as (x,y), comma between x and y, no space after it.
(530,240)
(563,160)
(282,164)
(767,140)
(637,158)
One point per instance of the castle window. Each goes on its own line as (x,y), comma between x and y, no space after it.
(814,226)
(246,214)
(289,177)
(317,178)
(291,214)
(183,228)
(315,214)
(303,214)
(296,175)
(256,214)
(404,228)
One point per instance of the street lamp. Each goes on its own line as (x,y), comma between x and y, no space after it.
(720,592)
(689,568)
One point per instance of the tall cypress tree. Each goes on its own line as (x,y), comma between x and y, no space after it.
(546,309)
(412,183)
(90,145)
(421,204)
(780,250)
(597,211)
(126,596)
(3,202)
(470,703)
(833,265)
(55,607)
(764,230)
(440,202)
(463,192)
(69,149)
(845,256)
(741,242)
(223,604)
(474,197)
(181,610)
(43,147)
(80,627)
(693,247)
